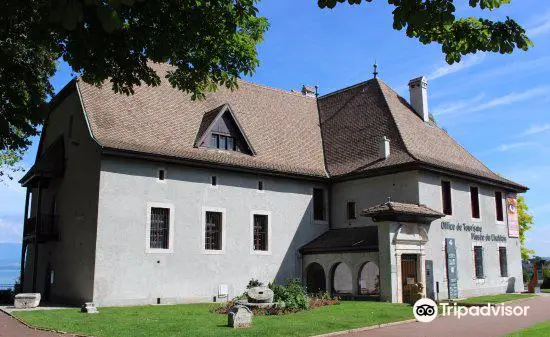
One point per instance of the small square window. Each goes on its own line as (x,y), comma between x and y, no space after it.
(214,181)
(260,185)
(161,174)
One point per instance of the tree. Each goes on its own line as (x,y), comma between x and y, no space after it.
(435,21)
(525,221)
(209,43)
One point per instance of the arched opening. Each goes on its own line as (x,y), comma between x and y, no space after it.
(369,279)
(341,279)
(315,278)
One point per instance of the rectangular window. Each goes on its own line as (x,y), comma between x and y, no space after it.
(503,261)
(474,201)
(214,181)
(260,185)
(446,197)
(351,210)
(260,232)
(214,141)
(160,228)
(213,231)
(162,174)
(498,204)
(478,261)
(222,142)
(319,212)
(230,144)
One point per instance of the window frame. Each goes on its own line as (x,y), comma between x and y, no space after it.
(443,209)
(162,181)
(325,205)
(500,249)
(269,231)
(223,229)
(171,232)
(477,276)
(218,140)
(472,204)
(348,203)
(502,207)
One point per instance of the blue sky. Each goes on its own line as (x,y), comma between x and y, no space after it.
(494,105)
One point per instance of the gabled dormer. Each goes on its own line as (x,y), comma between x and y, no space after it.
(221,130)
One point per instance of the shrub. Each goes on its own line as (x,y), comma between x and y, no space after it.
(546,275)
(254,283)
(292,294)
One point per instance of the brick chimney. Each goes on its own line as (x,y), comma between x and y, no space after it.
(418,89)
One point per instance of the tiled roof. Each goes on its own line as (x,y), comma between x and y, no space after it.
(353,120)
(283,127)
(399,208)
(355,239)
(290,133)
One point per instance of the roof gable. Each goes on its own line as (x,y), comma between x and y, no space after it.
(222,115)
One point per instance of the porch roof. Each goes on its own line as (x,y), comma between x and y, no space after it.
(358,239)
(398,211)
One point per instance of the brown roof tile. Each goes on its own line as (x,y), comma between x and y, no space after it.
(282,127)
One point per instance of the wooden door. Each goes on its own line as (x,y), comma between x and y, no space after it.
(409,275)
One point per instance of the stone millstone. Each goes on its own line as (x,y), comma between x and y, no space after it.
(260,295)
(239,317)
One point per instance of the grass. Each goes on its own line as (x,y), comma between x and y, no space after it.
(541,329)
(494,299)
(198,320)
(545,291)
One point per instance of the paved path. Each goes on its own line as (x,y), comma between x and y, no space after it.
(469,326)
(10,327)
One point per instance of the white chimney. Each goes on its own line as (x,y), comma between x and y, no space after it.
(384,148)
(418,89)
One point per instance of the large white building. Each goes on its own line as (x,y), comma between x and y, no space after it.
(155,198)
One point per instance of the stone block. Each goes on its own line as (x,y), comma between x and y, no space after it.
(239,317)
(260,295)
(27,300)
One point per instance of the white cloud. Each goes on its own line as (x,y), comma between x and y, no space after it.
(535,129)
(512,146)
(456,106)
(540,26)
(513,97)
(467,62)
(11,230)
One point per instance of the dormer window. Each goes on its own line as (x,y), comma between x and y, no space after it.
(222,142)
(221,130)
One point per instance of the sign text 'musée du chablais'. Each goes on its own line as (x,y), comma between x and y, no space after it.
(475,232)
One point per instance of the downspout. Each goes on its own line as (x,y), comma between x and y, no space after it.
(23,244)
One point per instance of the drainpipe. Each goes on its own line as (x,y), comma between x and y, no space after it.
(23,243)
(37,225)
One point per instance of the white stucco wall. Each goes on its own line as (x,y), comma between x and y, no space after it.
(430,194)
(125,273)
(369,192)
(72,257)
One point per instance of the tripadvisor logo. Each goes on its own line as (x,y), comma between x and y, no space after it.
(425,310)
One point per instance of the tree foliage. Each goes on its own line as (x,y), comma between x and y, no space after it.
(435,21)
(525,221)
(209,43)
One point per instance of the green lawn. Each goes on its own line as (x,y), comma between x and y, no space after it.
(545,291)
(494,299)
(197,320)
(539,330)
